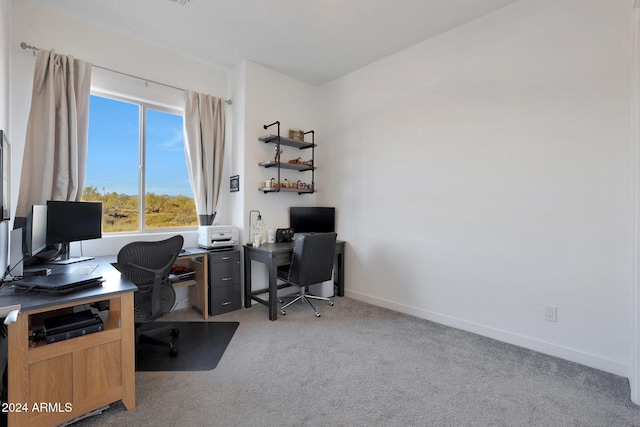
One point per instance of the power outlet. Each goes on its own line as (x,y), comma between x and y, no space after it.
(551,313)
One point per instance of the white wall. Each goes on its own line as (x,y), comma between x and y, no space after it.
(270,96)
(477,176)
(236,165)
(49,29)
(5,26)
(489,171)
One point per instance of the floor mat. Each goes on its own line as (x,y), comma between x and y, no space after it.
(200,347)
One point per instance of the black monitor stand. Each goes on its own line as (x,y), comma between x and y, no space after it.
(65,259)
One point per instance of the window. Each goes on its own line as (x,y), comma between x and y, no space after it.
(137,148)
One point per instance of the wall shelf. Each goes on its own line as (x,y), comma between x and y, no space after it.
(281,141)
(270,138)
(286,190)
(292,166)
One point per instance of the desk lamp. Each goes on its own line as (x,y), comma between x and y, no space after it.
(257,229)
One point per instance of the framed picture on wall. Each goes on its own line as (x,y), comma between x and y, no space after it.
(234,183)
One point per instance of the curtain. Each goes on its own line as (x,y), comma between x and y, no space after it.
(204,130)
(55,153)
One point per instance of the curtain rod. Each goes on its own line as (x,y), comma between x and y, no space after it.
(25,46)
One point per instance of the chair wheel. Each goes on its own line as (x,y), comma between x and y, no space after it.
(331,303)
(173,352)
(280,300)
(283,312)
(317,314)
(175,332)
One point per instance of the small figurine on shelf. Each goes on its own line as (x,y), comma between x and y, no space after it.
(278,152)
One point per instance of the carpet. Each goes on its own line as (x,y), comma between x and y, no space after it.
(362,365)
(200,347)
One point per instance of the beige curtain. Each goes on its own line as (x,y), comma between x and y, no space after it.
(204,130)
(55,153)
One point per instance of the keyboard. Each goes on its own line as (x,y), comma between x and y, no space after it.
(85,269)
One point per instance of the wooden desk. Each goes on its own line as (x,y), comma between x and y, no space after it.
(195,259)
(274,255)
(69,378)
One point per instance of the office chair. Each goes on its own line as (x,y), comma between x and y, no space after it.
(311,263)
(147,265)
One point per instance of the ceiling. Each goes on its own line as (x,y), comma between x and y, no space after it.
(314,41)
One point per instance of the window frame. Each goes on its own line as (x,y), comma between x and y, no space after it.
(142,147)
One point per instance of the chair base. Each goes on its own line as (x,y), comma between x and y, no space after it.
(149,336)
(303,296)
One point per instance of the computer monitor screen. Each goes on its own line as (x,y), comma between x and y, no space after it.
(36,230)
(312,219)
(73,221)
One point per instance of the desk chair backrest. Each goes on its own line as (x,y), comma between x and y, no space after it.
(312,258)
(147,265)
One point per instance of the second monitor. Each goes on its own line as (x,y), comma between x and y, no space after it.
(71,222)
(312,219)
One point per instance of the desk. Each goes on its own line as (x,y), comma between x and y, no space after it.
(274,255)
(195,259)
(87,372)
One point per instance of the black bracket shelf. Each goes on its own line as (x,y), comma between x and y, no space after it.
(293,166)
(276,163)
(286,190)
(296,143)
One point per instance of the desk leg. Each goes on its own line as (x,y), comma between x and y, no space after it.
(18,375)
(247,279)
(273,289)
(340,273)
(128,350)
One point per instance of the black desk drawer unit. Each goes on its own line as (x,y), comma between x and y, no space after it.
(224,282)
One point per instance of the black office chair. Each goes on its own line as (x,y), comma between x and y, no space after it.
(147,265)
(311,263)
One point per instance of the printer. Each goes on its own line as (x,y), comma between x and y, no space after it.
(217,236)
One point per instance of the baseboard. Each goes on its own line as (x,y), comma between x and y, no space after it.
(551,349)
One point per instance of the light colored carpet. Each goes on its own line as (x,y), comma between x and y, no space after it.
(361,365)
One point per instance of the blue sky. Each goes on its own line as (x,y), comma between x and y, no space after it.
(112,162)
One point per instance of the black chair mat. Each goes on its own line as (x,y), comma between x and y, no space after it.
(200,347)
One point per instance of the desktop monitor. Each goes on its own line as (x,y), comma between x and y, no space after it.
(73,222)
(312,219)
(29,242)
(36,230)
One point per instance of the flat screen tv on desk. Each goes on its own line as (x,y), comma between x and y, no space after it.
(312,219)
(72,222)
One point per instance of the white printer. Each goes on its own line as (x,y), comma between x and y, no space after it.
(217,236)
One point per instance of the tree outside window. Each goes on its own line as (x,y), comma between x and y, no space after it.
(137,148)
